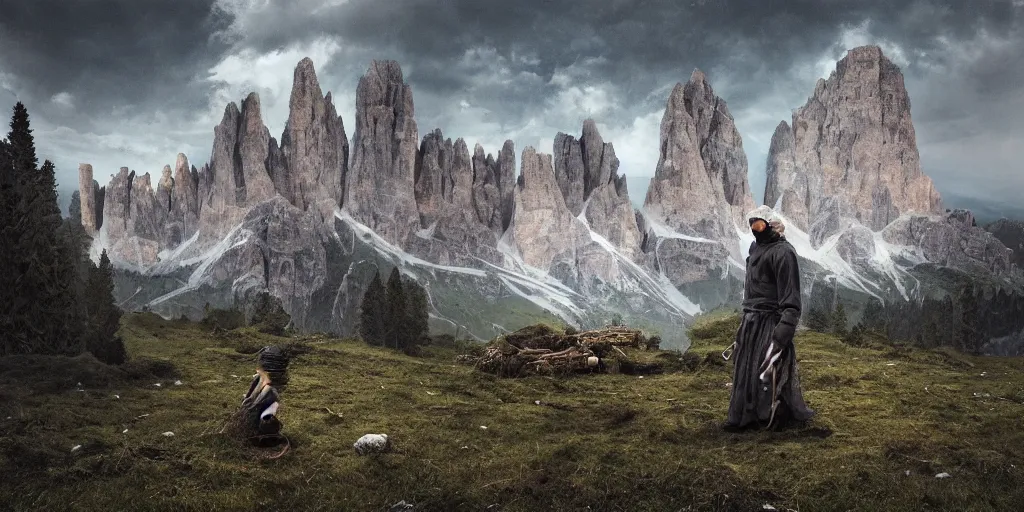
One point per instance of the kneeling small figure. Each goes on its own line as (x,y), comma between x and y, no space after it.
(260,404)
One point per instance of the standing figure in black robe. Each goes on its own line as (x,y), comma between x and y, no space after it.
(766,385)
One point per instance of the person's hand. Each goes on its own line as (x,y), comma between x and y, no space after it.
(783,335)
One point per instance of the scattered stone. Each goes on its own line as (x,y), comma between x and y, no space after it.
(177,383)
(401,506)
(168,434)
(75,448)
(943,475)
(372,443)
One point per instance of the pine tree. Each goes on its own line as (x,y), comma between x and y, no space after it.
(104,315)
(874,316)
(398,328)
(372,322)
(40,310)
(22,143)
(8,272)
(417,312)
(839,322)
(78,241)
(855,337)
(817,320)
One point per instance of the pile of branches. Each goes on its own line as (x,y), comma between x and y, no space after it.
(540,350)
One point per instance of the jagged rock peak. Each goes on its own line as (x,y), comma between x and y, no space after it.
(312,165)
(380,185)
(854,142)
(582,166)
(587,173)
(543,228)
(89,197)
(701,157)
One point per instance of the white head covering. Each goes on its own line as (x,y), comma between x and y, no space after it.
(765,212)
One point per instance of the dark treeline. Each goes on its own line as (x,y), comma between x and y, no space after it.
(971,319)
(53,298)
(394,315)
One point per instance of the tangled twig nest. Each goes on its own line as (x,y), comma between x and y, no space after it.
(540,350)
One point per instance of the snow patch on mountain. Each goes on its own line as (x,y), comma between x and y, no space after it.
(659,285)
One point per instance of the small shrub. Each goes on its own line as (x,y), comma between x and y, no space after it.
(654,342)
(570,330)
(268,315)
(855,338)
(109,351)
(226,319)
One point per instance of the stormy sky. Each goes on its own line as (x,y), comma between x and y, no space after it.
(134,82)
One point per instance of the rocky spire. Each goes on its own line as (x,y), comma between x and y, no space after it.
(506,176)
(854,149)
(435,183)
(312,165)
(381,183)
(493,186)
(721,147)
(186,195)
(587,174)
(570,173)
(252,180)
(453,232)
(543,228)
(91,197)
(699,159)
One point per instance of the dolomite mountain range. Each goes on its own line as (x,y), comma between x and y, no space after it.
(499,244)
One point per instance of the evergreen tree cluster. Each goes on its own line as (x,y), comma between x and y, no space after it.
(828,321)
(395,314)
(53,299)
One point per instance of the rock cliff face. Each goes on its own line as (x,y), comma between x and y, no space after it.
(1011,234)
(90,199)
(381,184)
(955,241)
(493,185)
(850,151)
(450,230)
(314,148)
(700,186)
(587,172)
(543,228)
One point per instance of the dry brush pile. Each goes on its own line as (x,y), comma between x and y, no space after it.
(541,350)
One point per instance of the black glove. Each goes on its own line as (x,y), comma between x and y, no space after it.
(783,334)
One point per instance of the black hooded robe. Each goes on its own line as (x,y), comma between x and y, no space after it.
(771,296)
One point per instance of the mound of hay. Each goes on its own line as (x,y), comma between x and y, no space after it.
(541,350)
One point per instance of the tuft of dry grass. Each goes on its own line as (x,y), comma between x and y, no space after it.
(889,420)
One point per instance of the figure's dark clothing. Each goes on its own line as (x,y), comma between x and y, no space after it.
(261,404)
(771,296)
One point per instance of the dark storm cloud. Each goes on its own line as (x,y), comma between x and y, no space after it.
(641,42)
(490,70)
(760,55)
(108,51)
(96,73)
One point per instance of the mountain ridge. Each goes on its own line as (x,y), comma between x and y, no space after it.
(309,221)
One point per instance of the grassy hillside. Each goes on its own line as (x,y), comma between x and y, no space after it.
(889,420)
